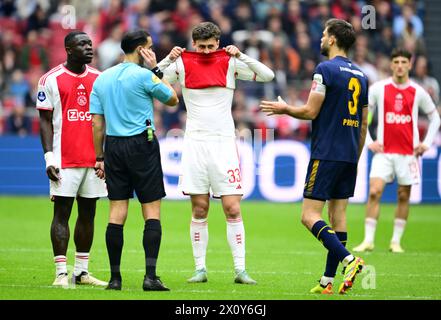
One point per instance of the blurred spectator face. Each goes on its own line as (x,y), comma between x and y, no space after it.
(400,67)
(303,41)
(243,12)
(275,25)
(421,67)
(356,23)
(407,12)
(206,46)
(32,37)
(383,9)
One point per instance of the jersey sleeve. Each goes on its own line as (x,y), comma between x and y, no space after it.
(373,96)
(364,99)
(320,79)
(426,104)
(96,106)
(155,87)
(170,69)
(249,69)
(44,95)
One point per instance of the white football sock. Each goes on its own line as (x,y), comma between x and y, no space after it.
(399,225)
(236,240)
(60,265)
(370,225)
(325,280)
(348,259)
(199,241)
(81,263)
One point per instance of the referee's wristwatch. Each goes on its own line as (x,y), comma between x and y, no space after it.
(99,159)
(157,72)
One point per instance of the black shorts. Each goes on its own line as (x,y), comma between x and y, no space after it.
(133,164)
(330,180)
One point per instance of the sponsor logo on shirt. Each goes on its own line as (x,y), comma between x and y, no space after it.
(393,118)
(41,96)
(75,115)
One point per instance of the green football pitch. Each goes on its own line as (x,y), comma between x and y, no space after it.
(282,255)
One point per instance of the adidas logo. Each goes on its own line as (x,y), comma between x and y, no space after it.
(238,187)
(81,87)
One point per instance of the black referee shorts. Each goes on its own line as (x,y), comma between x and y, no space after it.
(133,164)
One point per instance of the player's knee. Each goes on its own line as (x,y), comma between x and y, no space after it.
(403,196)
(232,210)
(200,211)
(306,220)
(375,194)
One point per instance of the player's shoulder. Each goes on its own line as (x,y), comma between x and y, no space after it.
(50,74)
(379,85)
(418,88)
(93,70)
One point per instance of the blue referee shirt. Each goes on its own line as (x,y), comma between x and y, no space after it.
(124,95)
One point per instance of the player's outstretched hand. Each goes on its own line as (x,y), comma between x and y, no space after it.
(175,53)
(376,147)
(232,51)
(420,149)
(149,57)
(99,170)
(53,173)
(274,107)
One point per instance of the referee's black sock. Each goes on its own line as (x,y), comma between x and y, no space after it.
(114,243)
(151,242)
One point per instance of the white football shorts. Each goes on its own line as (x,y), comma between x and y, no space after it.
(212,163)
(78,182)
(387,166)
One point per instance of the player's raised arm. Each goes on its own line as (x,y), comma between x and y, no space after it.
(248,68)
(168,65)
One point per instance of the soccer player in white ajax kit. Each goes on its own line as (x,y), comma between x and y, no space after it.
(66,136)
(210,158)
(398,145)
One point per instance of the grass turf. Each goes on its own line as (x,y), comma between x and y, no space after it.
(282,255)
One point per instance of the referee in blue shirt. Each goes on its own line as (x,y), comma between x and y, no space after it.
(122,106)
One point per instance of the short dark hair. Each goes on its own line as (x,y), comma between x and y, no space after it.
(343,31)
(205,31)
(132,39)
(70,36)
(400,52)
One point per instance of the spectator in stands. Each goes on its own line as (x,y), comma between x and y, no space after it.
(407,18)
(18,123)
(19,87)
(37,20)
(109,51)
(33,54)
(422,77)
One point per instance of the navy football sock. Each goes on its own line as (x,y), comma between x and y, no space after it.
(331,259)
(329,239)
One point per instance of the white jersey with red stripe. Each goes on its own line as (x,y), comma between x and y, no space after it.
(208,82)
(398,106)
(67,95)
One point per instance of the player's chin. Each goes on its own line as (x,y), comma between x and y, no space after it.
(87,59)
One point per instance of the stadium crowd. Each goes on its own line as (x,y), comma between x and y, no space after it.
(284,34)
